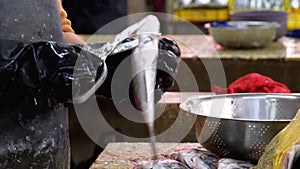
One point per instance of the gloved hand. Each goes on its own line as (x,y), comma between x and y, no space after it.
(42,70)
(283,151)
(167,64)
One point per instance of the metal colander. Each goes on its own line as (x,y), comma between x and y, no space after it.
(241,125)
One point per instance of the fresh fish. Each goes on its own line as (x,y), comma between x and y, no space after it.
(161,164)
(227,163)
(144,61)
(196,158)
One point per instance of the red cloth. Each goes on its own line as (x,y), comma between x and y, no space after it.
(253,83)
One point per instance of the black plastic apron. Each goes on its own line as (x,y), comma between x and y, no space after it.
(34,134)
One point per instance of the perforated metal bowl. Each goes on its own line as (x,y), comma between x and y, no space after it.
(240,125)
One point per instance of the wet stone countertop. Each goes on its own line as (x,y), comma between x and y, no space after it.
(126,155)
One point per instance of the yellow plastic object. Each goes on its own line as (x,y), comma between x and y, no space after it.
(293,19)
(202,14)
(275,156)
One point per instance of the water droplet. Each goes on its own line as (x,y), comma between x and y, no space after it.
(35,101)
(27,138)
(52,142)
